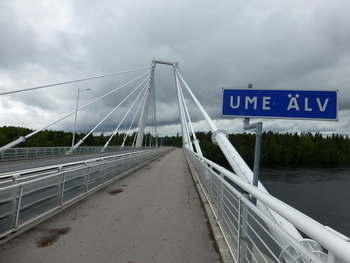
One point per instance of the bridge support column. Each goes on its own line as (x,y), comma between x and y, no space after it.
(142,122)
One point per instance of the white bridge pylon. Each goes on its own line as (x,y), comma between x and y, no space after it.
(150,105)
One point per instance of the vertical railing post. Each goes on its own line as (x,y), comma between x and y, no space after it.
(239,229)
(209,183)
(87,178)
(18,206)
(62,187)
(14,206)
(104,173)
(221,197)
(246,245)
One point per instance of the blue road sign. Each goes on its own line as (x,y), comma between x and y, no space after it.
(294,104)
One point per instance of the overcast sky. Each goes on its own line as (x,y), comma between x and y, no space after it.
(273,44)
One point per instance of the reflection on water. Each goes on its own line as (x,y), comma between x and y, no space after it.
(321,193)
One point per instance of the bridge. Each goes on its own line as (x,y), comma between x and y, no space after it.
(144,203)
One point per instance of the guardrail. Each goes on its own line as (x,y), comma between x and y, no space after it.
(23,203)
(251,235)
(28,174)
(34,152)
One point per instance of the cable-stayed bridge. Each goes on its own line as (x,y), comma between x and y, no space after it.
(249,225)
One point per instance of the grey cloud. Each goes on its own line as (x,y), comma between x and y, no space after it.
(17,40)
(289,45)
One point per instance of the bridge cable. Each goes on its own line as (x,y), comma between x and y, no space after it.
(110,113)
(72,81)
(23,138)
(143,103)
(90,103)
(151,114)
(126,114)
(205,114)
(143,119)
(237,163)
(185,116)
(185,133)
(133,120)
(195,140)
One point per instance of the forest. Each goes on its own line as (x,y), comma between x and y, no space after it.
(277,148)
(285,148)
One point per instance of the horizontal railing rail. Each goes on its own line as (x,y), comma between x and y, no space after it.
(21,175)
(23,203)
(252,235)
(34,152)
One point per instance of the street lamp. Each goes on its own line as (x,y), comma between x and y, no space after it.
(76,115)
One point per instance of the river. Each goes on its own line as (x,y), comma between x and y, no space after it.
(321,193)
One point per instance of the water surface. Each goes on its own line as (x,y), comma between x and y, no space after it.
(321,193)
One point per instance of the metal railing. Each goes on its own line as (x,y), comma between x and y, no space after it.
(34,152)
(24,202)
(251,235)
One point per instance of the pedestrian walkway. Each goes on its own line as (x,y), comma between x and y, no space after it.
(151,215)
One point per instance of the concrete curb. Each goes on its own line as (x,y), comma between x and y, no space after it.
(220,241)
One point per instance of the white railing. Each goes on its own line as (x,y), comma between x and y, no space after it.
(25,200)
(251,235)
(34,152)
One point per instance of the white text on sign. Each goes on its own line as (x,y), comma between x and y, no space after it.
(264,103)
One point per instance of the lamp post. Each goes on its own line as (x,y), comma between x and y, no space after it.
(76,115)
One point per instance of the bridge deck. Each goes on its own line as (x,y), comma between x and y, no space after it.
(152,215)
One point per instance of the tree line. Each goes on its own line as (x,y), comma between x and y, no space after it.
(50,138)
(285,148)
(277,148)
